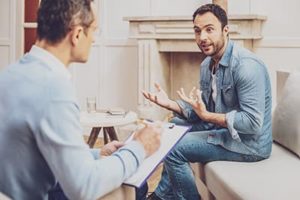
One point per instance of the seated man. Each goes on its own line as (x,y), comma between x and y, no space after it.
(231,115)
(41,140)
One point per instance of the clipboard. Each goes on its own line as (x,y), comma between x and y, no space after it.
(171,135)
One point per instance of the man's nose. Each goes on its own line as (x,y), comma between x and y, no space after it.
(202,36)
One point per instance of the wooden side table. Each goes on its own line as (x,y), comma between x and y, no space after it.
(99,120)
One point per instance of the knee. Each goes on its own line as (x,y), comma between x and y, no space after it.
(179,121)
(176,155)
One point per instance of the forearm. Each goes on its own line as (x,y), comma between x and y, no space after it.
(173,106)
(88,178)
(215,118)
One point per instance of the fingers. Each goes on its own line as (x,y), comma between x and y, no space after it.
(117,144)
(180,95)
(183,96)
(157,86)
(149,96)
(192,93)
(182,92)
(194,96)
(199,95)
(145,94)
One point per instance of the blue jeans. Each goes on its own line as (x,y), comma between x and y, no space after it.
(177,180)
(141,193)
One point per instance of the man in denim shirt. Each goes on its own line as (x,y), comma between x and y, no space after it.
(230,114)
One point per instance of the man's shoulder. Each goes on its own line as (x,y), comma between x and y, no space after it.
(37,77)
(241,56)
(240,52)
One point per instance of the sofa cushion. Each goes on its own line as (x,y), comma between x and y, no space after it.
(286,117)
(274,178)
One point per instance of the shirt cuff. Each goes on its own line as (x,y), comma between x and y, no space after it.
(183,107)
(136,149)
(96,153)
(230,120)
(131,156)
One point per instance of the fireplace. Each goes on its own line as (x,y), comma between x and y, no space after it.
(168,54)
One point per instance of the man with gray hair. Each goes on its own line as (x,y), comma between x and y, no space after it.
(41,140)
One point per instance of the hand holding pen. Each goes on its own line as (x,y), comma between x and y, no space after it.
(149,137)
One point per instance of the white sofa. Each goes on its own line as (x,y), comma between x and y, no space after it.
(271,179)
(3,197)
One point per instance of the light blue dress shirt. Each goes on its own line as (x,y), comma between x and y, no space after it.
(244,95)
(41,140)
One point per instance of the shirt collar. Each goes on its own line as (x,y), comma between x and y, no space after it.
(225,60)
(50,60)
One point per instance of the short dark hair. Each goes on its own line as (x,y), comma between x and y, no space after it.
(56,17)
(216,10)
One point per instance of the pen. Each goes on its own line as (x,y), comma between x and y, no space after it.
(149,121)
(145,121)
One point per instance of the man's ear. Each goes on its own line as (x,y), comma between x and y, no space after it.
(76,34)
(226,30)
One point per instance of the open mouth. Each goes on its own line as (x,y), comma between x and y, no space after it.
(205,47)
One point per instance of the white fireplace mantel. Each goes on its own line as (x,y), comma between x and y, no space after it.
(175,33)
(161,36)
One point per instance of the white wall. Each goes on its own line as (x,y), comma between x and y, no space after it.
(111,73)
(280,47)
(7,32)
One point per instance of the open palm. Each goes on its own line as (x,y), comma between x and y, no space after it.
(159,97)
(195,100)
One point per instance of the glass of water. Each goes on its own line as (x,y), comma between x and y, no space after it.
(91,104)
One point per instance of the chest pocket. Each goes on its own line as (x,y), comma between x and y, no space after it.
(205,88)
(229,97)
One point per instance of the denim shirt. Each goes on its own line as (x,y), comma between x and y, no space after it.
(244,95)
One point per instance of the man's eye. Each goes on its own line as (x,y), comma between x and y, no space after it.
(197,31)
(209,29)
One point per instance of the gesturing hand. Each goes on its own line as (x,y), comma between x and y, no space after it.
(160,97)
(111,147)
(195,100)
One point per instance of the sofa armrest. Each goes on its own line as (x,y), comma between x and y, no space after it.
(4,197)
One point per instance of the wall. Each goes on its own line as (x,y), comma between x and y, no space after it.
(280,48)
(7,32)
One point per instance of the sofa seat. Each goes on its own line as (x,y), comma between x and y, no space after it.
(274,178)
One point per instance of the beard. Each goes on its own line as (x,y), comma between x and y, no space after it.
(212,48)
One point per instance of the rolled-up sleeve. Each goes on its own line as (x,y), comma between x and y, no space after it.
(250,86)
(230,121)
(188,112)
